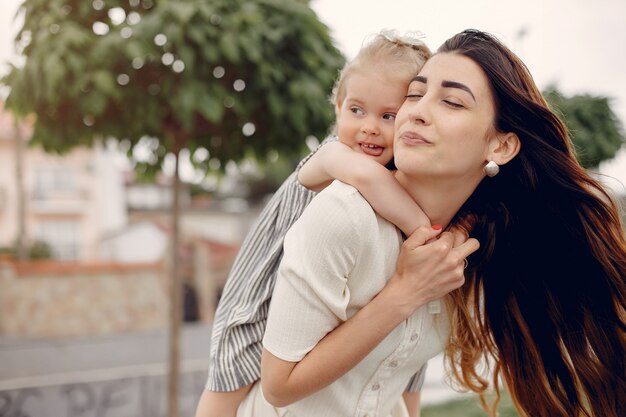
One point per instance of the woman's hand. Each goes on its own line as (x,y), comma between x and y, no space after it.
(430,265)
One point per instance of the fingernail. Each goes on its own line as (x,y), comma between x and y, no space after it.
(436,226)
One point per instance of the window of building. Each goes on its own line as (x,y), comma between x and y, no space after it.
(63,237)
(53,179)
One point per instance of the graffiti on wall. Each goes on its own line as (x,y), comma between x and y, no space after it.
(143,396)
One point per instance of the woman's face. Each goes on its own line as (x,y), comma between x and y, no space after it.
(443,127)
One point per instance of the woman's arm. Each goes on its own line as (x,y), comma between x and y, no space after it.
(375,182)
(424,272)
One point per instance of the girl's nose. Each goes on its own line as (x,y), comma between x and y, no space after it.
(370,127)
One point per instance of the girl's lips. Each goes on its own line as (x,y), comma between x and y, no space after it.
(413,138)
(371,150)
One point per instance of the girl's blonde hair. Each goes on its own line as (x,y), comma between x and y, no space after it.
(401,57)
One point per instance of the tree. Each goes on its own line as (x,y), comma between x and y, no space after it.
(595,129)
(225,79)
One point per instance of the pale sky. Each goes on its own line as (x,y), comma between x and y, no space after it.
(578,44)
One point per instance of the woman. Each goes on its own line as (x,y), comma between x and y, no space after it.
(552,263)
(543,301)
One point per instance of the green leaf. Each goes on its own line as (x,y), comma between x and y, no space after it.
(229,47)
(183,11)
(276,104)
(104,81)
(197,34)
(596,132)
(55,72)
(134,48)
(211,107)
(95,103)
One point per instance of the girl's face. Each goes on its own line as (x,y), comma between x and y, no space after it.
(445,124)
(365,117)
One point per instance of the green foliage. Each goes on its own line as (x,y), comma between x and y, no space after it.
(468,407)
(37,251)
(7,251)
(595,129)
(191,71)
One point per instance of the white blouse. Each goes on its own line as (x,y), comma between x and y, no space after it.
(337,257)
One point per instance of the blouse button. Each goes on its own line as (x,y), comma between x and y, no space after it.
(393,364)
(375,387)
(413,337)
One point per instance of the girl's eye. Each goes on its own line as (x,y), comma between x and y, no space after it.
(357,110)
(453,104)
(389,116)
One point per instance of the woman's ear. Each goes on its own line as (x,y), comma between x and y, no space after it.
(503,148)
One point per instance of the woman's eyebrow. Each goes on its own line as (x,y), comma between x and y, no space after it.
(454,84)
(446,84)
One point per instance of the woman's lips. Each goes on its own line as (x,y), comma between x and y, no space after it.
(413,138)
(371,150)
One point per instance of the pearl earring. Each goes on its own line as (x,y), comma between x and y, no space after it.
(491,169)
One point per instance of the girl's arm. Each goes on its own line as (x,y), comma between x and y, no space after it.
(424,272)
(375,182)
(221,404)
(412,401)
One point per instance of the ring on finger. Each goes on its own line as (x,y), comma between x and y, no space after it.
(465,263)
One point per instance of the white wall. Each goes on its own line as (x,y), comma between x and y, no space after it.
(141,242)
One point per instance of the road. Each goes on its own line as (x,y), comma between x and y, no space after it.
(119,375)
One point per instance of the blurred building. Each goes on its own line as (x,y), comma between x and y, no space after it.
(103,226)
(86,205)
(69,201)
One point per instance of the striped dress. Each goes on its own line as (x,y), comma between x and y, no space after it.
(241,315)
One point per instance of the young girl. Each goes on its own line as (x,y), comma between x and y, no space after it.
(369,91)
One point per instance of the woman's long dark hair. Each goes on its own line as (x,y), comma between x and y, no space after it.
(545,295)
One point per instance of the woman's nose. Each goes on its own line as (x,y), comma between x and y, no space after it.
(418,111)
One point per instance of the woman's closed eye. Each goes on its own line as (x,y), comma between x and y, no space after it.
(414,96)
(453,104)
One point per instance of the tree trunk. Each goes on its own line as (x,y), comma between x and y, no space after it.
(175,292)
(20,242)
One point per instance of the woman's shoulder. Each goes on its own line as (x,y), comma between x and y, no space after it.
(340,191)
(339,203)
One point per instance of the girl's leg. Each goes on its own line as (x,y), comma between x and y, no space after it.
(221,404)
